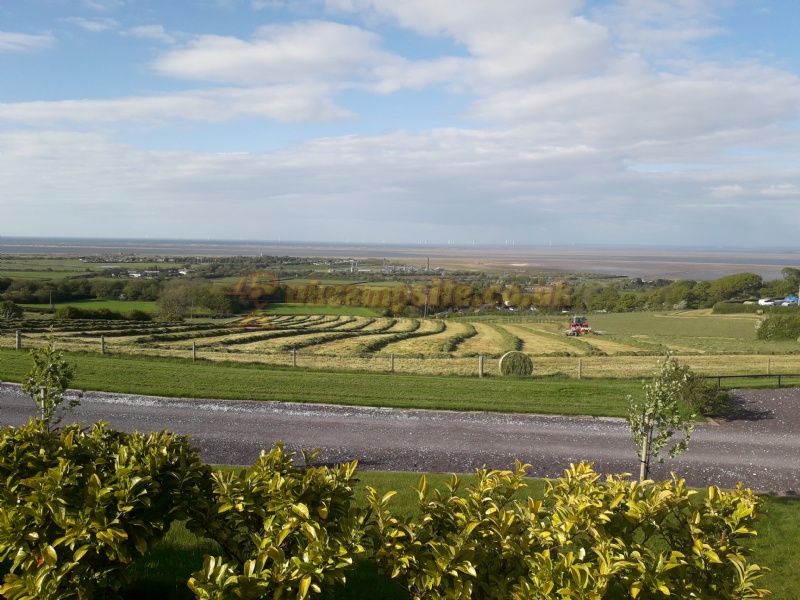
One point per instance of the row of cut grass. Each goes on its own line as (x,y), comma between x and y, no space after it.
(348,354)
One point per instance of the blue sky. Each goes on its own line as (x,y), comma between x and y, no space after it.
(641,122)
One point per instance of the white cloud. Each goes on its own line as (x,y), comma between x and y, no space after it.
(510,41)
(636,104)
(94,25)
(103,5)
(302,51)
(152,32)
(615,115)
(446,183)
(298,103)
(727,191)
(22,42)
(782,190)
(263,4)
(661,27)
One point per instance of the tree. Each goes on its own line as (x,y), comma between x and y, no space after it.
(10,310)
(657,416)
(174,303)
(214,299)
(791,275)
(47,384)
(734,286)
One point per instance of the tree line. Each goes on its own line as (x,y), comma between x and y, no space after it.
(633,295)
(180,297)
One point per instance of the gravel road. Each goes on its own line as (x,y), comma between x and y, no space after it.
(759,445)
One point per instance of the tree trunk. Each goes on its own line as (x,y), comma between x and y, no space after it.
(644,464)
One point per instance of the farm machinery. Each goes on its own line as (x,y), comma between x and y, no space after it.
(579,326)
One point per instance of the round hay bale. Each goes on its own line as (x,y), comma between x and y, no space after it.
(516,364)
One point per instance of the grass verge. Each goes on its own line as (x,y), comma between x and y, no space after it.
(182,378)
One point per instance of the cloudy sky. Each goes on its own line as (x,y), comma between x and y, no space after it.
(657,122)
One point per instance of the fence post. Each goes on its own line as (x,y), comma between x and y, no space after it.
(580,368)
(102,345)
(392,363)
(769,366)
(18,344)
(480,366)
(194,351)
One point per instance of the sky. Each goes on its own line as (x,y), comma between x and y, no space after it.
(530,122)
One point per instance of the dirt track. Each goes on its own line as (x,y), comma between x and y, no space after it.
(759,445)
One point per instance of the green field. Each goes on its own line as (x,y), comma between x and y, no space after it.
(59,268)
(169,377)
(122,306)
(42,275)
(317,309)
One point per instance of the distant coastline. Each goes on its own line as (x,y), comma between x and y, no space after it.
(644,262)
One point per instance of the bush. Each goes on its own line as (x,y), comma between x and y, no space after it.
(139,315)
(10,310)
(779,327)
(285,530)
(410,312)
(588,538)
(703,397)
(516,364)
(74,312)
(77,506)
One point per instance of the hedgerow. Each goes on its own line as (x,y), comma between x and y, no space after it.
(81,505)
(588,539)
(779,327)
(285,531)
(78,506)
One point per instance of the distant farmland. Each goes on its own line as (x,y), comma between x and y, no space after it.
(629,345)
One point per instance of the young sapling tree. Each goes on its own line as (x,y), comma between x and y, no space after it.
(47,383)
(657,416)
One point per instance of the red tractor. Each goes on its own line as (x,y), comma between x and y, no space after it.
(578,326)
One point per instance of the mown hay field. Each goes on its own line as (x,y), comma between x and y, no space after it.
(628,345)
(488,340)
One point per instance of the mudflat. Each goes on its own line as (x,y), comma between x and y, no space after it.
(644,262)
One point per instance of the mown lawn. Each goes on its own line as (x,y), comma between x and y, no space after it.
(182,378)
(691,324)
